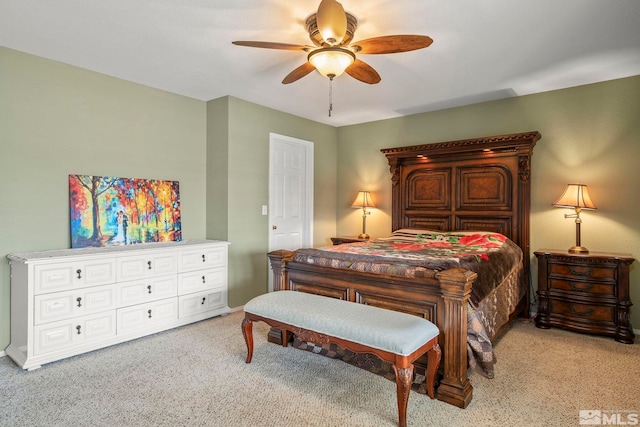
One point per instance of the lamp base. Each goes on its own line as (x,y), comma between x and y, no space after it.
(578,250)
(363,236)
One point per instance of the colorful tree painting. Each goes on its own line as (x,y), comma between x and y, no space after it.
(108,211)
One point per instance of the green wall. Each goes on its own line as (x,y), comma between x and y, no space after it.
(218,169)
(590,134)
(245,143)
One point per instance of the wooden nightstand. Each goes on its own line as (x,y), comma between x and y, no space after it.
(585,293)
(347,239)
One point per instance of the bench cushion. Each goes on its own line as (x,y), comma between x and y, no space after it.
(387,330)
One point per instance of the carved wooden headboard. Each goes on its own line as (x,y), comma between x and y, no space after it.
(471,184)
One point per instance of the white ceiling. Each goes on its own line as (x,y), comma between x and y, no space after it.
(482,50)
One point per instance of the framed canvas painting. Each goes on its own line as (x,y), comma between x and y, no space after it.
(108,211)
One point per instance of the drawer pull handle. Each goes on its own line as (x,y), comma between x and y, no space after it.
(78,329)
(204,259)
(587,288)
(149,287)
(203,280)
(79,272)
(203,300)
(149,311)
(149,264)
(577,272)
(587,312)
(79,299)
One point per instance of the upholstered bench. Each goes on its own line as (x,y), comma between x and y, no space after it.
(394,337)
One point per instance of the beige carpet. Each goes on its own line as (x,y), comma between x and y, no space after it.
(196,376)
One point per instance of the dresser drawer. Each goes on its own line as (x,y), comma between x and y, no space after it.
(75,274)
(591,312)
(586,288)
(198,259)
(199,303)
(148,265)
(147,316)
(139,291)
(73,332)
(65,305)
(202,280)
(599,272)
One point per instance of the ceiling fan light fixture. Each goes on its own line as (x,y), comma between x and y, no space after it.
(331,31)
(331,61)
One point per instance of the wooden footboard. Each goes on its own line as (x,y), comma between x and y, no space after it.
(442,301)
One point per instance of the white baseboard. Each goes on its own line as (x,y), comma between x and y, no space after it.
(234,309)
(2,354)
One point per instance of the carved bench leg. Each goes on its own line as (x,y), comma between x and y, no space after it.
(247,331)
(404,378)
(433,361)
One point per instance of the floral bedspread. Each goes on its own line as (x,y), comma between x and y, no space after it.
(422,253)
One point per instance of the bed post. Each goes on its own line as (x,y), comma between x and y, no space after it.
(455,284)
(396,199)
(524,194)
(278,260)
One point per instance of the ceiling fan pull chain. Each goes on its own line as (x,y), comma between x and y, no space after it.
(330,95)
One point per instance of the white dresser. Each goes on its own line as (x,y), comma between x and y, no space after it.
(67,302)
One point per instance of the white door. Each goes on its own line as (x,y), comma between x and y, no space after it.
(290,193)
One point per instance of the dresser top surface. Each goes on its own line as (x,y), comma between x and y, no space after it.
(55,253)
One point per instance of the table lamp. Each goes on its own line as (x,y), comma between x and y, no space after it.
(363,200)
(576,197)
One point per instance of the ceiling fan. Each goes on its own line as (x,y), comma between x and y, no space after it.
(331,30)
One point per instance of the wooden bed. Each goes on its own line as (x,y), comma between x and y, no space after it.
(474,184)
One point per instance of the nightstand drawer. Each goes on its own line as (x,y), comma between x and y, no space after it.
(593,312)
(572,286)
(578,271)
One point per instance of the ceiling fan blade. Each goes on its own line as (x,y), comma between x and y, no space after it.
(271,45)
(298,73)
(364,72)
(392,44)
(332,22)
